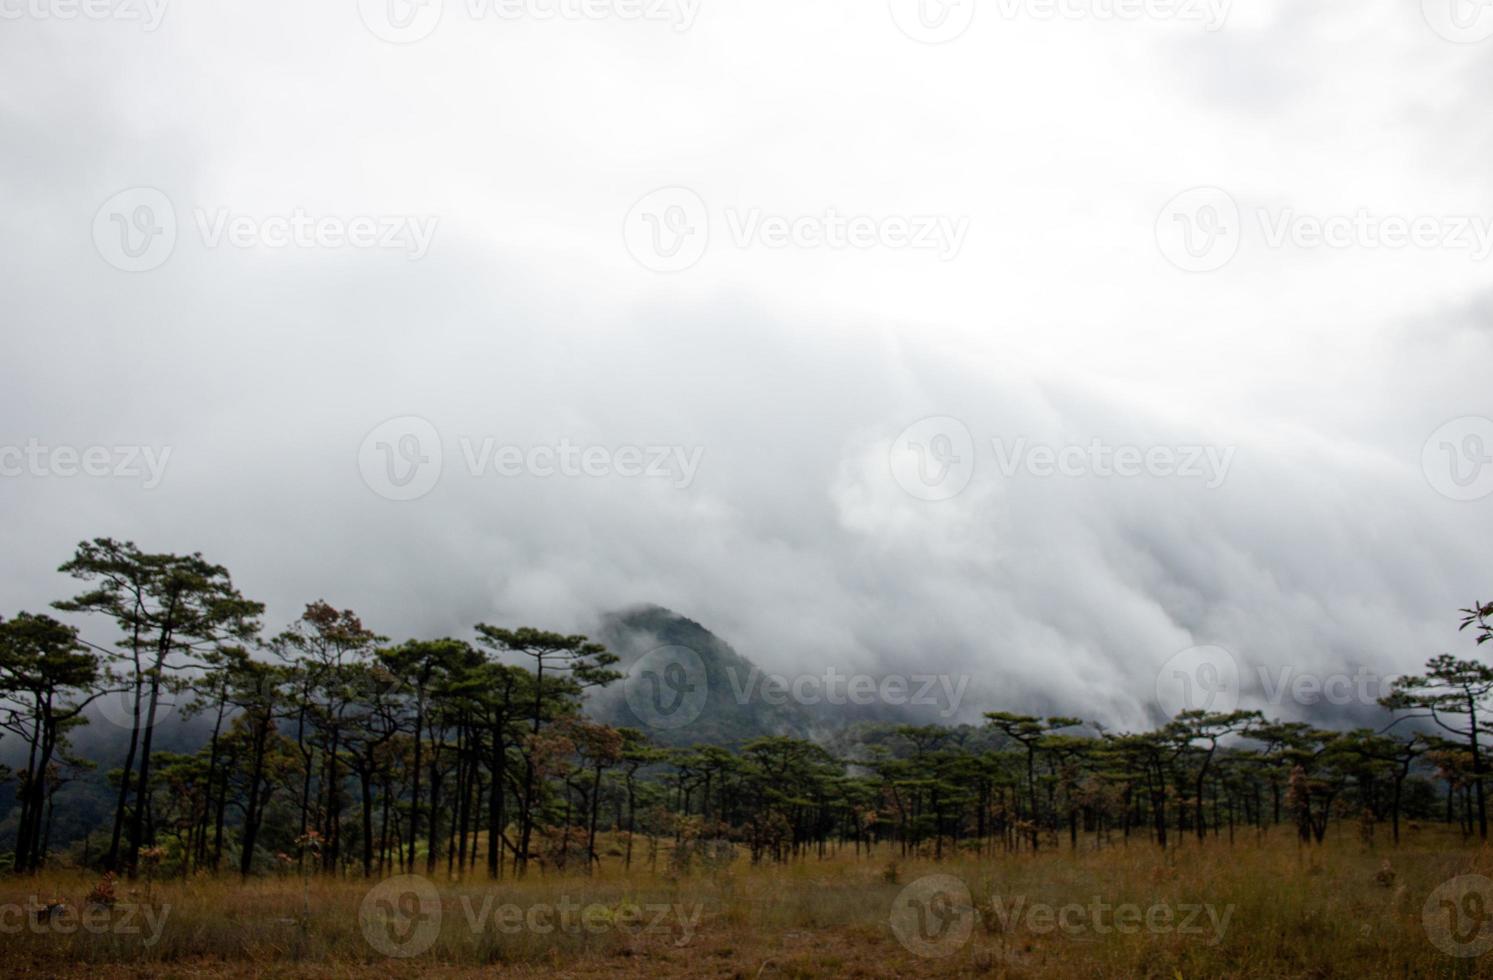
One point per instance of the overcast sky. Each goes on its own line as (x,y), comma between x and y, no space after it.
(751,245)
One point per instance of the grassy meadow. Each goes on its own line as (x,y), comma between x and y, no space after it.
(1259,907)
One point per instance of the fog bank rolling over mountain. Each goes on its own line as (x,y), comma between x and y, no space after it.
(757,417)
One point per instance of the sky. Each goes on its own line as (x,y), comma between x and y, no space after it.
(1039,344)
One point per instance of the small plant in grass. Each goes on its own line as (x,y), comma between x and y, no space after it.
(309,841)
(150,862)
(103,895)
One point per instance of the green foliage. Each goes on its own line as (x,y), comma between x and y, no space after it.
(326,749)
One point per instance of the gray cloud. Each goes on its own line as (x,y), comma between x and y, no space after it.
(791,371)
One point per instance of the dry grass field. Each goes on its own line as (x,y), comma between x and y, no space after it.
(1254,908)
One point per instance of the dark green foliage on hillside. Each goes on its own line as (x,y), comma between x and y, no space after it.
(735,711)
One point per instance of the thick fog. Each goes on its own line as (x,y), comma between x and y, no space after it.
(862,351)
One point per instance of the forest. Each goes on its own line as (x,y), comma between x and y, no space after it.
(330,750)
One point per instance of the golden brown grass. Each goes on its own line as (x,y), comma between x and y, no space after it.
(1333,911)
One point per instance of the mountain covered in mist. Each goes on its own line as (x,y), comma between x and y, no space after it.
(734,709)
(737,699)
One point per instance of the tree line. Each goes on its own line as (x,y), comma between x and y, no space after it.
(331,750)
